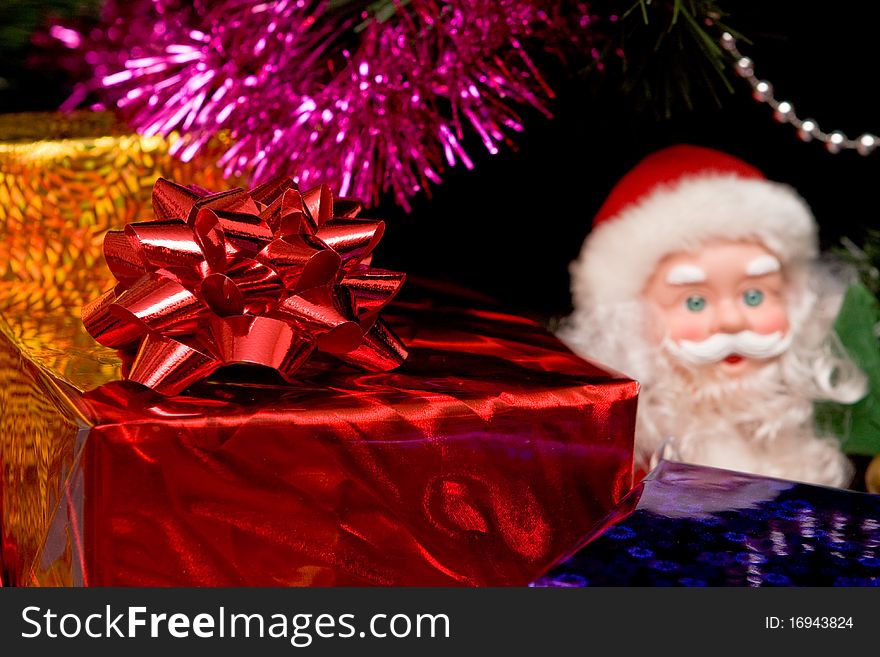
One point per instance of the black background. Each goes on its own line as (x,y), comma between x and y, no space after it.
(511,226)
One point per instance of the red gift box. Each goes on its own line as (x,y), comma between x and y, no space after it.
(479,461)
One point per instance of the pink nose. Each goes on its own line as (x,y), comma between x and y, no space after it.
(729,317)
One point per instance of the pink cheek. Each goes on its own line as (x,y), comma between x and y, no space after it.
(693,327)
(769,319)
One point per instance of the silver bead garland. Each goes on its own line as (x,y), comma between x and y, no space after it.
(783,111)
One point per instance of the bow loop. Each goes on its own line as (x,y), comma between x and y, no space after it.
(168,243)
(352,239)
(123,255)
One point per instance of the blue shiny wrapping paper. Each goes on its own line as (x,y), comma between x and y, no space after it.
(688,525)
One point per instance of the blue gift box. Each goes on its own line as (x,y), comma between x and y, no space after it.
(688,525)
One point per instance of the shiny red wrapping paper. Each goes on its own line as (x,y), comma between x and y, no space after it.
(479,461)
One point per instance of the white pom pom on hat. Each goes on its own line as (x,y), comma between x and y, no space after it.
(675,200)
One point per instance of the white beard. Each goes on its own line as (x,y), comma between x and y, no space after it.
(761,422)
(755,423)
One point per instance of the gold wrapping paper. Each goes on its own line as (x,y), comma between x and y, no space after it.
(64,181)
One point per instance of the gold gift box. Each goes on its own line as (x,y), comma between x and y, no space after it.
(64,181)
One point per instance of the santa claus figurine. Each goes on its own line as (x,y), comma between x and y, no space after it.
(701,280)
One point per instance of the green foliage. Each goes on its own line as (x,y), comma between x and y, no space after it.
(671,53)
(858,425)
(865,258)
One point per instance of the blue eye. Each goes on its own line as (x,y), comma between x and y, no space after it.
(695,303)
(753,298)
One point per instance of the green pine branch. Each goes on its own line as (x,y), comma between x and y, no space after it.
(865,258)
(671,53)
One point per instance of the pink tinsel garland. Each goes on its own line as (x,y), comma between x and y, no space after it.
(296,87)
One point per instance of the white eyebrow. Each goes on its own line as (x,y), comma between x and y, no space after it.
(685,274)
(765,264)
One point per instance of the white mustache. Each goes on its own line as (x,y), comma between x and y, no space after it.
(721,345)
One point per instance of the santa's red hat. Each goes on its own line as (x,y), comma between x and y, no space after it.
(675,200)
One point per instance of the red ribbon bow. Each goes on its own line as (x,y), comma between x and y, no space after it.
(263,277)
